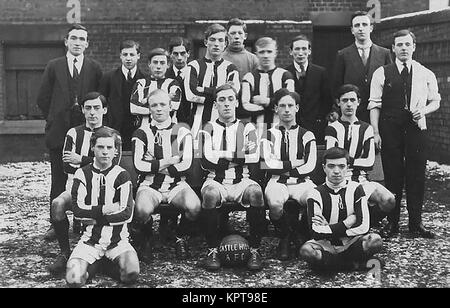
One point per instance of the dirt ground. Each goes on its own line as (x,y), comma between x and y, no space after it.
(409,262)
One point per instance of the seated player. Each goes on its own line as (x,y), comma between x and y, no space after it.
(339,219)
(289,155)
(162,153)
(76,153)
(357,138)
(158,64)
(102,198)
(229,151)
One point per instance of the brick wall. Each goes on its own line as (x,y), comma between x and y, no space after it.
(433,51)
(392,8)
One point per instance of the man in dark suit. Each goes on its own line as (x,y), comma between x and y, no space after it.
(116,85)
(312,84)
(356,63)
(65,82)
(179,49)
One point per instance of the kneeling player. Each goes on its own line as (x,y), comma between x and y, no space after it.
(77,153)
(162,152)
(229,150)
(289,155)
(358,139)
(339,219)
(102,199)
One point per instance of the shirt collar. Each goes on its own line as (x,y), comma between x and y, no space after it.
(298,68)
(400,65)
(282,128)
(164,125)
(335,188)
(365,46)
(175,70)
(125,71)
(225,124)
(79,58)
(104,172)
(348,123)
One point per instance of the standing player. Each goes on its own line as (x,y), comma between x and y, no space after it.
(162,152)
(235,52)
(102,198)
(289,155)
(357,138)
(206,74)
(76,153)
(116,85)
(229,151)
(158,63)
(259,86)
(339,219)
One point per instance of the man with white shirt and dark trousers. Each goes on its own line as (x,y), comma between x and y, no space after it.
(401,95)
(66,80)
(116,85)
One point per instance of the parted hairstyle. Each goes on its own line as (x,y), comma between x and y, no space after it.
(76,27)
(280,93)
(226,86)
(237,22)
(300,37)
(345,88)
(179,41)
(403,32)
(157,52)
(94,95)
(213,29)
(359,13)
(264,41)
(335,153)
(106,132)
(130,44)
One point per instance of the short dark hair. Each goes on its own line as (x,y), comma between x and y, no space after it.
(225,86)
(236,22)
(157,52)
(106,132)
(280,93)
(213,29)
(94,95)
(348,88)
(403,32)
(335,153)
(264,41)
(300,37)
(130,44)
(179,41)
(75,27)
(359,13)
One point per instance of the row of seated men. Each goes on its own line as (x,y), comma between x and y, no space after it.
(335,215)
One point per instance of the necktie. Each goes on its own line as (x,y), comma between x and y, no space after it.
(129,77)
(364,55)
(302,71)
(102,190)
(405,78)
(75,73)
(179,75)
(284,143)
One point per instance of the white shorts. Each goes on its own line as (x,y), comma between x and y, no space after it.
(230,192)
(334,249)
(297,192)
(164,195)
(91,254)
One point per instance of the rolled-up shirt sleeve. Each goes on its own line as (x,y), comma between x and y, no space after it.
(376,89)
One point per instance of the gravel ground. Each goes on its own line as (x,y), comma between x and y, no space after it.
(409,262)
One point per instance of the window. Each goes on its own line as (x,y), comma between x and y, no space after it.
(24,65)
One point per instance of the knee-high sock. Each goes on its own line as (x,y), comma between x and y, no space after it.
(62,234)
(211,217)
(282,225)
(256,216)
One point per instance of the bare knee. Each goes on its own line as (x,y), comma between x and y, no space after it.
(310,254)
(58,209)
(275,210)
(211,197)
(372,243)
(76,274)
(253,194)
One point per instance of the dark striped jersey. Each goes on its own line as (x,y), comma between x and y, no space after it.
(207,76)
(357,139)
(105,196)
(336,206)
(281,147)
(143,87)
(78,140)
(157,141)
(226,151)
(266,84)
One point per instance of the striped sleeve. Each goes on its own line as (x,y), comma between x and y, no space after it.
(269,161)
(248,84)
(175,94)
(139,149)
(361,210)
(211,159)
(233,77)
(331,139)
(288,81)
(367,158)
(138,101)
(185,146)
(191,84)
(69,145)
(310,155)
(124,212)
(81,210)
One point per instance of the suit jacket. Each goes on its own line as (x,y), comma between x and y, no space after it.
(184,114)
(54,98)
(315,99)
(111,88)
(349,68)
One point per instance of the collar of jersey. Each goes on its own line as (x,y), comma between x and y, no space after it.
(226,124)
(333,188)
(164,125)
(91,130)
(280,127)
(215,62)
(348,123)
(267,72)
(104,172)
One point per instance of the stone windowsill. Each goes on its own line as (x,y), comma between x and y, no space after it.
(22,127)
